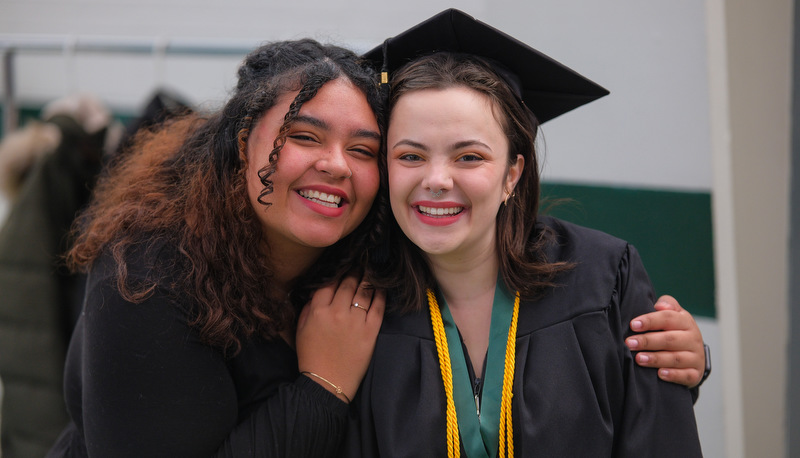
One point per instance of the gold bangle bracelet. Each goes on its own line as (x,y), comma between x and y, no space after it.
(335,387)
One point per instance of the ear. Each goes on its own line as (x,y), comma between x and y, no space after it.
(514,174)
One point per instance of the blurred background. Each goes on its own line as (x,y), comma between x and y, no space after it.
(693,157)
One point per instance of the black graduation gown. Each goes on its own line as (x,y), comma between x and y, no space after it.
(577,390)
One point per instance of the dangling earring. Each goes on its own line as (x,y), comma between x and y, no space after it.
(505,201)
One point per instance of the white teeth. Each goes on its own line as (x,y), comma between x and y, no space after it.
(322,198)
(438,211)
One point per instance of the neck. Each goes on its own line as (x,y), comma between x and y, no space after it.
(461,280)
(469,290)
(289,264)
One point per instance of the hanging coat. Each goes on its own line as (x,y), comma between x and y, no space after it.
(38,297)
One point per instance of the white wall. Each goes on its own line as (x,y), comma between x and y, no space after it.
(752,149)
(652,131)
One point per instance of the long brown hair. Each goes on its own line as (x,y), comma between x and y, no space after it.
(184,183)
(520,241)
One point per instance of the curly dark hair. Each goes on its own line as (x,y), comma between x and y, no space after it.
(184,183)
(520,241)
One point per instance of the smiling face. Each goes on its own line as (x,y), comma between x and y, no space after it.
(327,172)
(448,171)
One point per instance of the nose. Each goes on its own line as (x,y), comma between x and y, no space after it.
(334,163)
(437,179)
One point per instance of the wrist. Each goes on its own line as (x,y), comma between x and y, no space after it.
(707,369)
(330,386)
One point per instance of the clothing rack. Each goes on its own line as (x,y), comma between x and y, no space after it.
(11,45)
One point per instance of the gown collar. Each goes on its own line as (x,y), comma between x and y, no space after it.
(478,425)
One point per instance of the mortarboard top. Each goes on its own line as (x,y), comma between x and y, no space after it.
(548,88)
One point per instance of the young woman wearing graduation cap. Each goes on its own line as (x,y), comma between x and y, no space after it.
(513,338)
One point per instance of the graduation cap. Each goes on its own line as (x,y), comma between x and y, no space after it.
(547,87)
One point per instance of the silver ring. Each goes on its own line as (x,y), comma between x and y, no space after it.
(437,193)
(351,173)
(358,306)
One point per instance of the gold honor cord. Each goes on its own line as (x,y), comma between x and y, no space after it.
(506,427)
(453,447)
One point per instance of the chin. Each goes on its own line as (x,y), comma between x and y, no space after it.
(326,243)
(315,240)
(434,248)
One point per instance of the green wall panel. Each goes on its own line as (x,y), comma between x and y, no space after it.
(672,231)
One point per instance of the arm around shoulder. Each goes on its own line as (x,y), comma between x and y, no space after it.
(658,417)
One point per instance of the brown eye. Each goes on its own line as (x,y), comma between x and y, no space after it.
(363,151)
(470,158)
(302,138)
(411,157)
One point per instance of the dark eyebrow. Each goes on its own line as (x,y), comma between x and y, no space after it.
(366,133)
(316,122)
(313,121)
(466,143)
(412,144)
(456,146)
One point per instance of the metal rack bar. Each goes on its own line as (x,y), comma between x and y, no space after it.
(12,45)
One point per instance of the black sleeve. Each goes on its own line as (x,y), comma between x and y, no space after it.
(150,387)
(302,420)
(658,417)
(695,392)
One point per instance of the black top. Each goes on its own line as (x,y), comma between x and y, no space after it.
(577,390)
(139,382)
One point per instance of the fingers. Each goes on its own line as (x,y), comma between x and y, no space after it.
(369,302)
(683,367)
(377,308)
(673,344)
(666,341)
(362,299)
(338,334)
(346,292)
(667,302)
(668,359)
(663,319)
(324,295)
(669,315)
(351,297)
(688,377)
(675,331)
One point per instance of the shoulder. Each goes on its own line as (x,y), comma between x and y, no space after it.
(145,273)
(416,325)
(600,265)
(150,258)
(573,243)
(594,254)
(143,301)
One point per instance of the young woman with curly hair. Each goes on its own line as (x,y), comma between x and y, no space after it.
(202,244)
